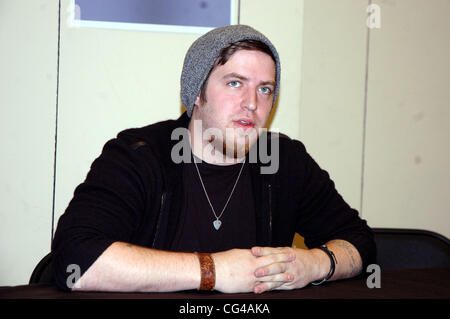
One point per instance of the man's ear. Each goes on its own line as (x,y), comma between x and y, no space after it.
(197,101)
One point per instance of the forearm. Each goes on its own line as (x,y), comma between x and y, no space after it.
(349,263)
(126,267)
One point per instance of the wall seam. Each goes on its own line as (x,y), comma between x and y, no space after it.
(364,126)
(56,123)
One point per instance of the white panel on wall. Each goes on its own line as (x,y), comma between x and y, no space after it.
(407,176)
(28,37)
(110,80)
(332,93)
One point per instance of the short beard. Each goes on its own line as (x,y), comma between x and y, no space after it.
(230,149)
(236,151)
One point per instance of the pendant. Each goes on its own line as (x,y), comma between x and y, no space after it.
(217,223)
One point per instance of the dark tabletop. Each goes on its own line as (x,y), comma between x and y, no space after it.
(394,284)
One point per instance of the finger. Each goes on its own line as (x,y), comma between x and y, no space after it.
(285,257)
(283,277)
(269,255)
(272,269)
(285,286)
(258,251)
(267,286)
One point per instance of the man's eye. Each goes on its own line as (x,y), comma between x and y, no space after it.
(265,90)
(234,84)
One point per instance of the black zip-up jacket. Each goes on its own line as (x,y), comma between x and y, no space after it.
(133,193)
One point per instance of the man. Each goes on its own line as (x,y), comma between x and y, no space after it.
(145,221)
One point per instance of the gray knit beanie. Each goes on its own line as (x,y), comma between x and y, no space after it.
(204,52)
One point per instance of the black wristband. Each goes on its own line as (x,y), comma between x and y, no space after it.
(333,261)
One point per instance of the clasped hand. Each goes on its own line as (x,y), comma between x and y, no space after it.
(263,269)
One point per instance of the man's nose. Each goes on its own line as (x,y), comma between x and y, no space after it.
(250,99)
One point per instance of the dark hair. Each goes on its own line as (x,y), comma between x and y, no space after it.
(226,53)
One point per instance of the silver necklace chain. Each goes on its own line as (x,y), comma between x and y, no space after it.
(217,223)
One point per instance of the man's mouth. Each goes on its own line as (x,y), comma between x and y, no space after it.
(244,123)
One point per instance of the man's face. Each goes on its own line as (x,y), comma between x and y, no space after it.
(239,96)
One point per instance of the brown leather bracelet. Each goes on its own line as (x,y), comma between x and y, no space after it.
(208,272)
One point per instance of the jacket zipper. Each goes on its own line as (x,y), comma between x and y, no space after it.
(163,199)
(269,186)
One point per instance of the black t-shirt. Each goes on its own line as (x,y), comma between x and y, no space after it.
(195,230)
